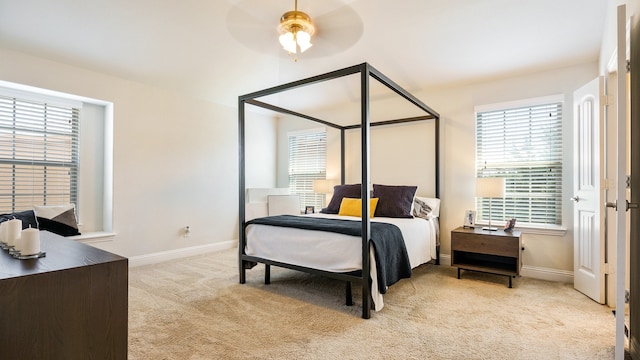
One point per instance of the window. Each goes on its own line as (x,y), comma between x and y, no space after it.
(523,144)
(38,152)
(307,162)
(57,148)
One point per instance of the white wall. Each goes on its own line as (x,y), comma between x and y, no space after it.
(260,150)
(401,154)
(175,158)
(92,169)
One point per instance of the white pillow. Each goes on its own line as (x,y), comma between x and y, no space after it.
(59,219)
(434,204)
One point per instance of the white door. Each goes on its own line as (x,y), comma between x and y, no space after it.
(588,261)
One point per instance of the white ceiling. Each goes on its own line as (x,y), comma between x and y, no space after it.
(219,49)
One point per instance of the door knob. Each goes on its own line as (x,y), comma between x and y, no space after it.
(631,205)
(611,205)
(576,198)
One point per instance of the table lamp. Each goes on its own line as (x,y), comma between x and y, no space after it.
(324,186)
(490,188)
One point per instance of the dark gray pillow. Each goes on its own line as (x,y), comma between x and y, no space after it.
(395,200)
(27,217)
(342,191)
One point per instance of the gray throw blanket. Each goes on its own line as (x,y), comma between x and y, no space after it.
(390,251)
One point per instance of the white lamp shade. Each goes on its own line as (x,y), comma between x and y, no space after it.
(490,187)
(287,42)
(324,186)
(304,40)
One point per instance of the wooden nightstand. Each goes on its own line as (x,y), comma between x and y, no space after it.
(497,252)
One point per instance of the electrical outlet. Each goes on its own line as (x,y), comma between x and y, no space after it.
(187,231)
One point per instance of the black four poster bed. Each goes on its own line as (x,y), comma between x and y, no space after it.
(364,225)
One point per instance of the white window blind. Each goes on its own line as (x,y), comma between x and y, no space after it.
(38,153)
(523,145)
(307,162)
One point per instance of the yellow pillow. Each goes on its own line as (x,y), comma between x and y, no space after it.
(353,207)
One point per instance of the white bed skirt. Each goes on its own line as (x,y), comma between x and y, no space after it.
(337,252)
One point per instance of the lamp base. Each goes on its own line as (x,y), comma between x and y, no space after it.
(490,228)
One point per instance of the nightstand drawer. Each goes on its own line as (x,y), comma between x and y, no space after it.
(485,244)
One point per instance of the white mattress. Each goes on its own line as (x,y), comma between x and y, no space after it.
(337,252)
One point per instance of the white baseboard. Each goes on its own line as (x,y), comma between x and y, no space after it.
(162,256)
(547,274)
(533,272)
(94,237)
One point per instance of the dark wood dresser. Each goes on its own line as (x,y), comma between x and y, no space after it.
(70,304)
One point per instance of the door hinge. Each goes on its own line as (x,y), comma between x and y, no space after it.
(604,100)
(605,268)
(628,66)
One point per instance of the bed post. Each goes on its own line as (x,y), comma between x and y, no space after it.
(241,191)
(437,154)
(365,195)
(348,296)
(342,157)
(437,172)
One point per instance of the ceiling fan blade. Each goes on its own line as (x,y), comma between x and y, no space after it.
(337,31)
(254,23)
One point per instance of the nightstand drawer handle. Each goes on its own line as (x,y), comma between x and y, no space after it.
(576,198)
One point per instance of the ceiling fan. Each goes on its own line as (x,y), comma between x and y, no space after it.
(263,26)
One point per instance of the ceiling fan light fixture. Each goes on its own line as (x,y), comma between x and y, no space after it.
(288,42)
(304,40)
(296,29)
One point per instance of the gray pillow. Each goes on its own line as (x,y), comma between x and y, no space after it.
(27,217)
(421,209)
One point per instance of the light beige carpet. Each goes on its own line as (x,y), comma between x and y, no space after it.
(196,309)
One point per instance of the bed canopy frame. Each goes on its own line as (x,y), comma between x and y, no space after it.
(366,72)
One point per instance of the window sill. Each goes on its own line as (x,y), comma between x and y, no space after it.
(94,237)
(550,230)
